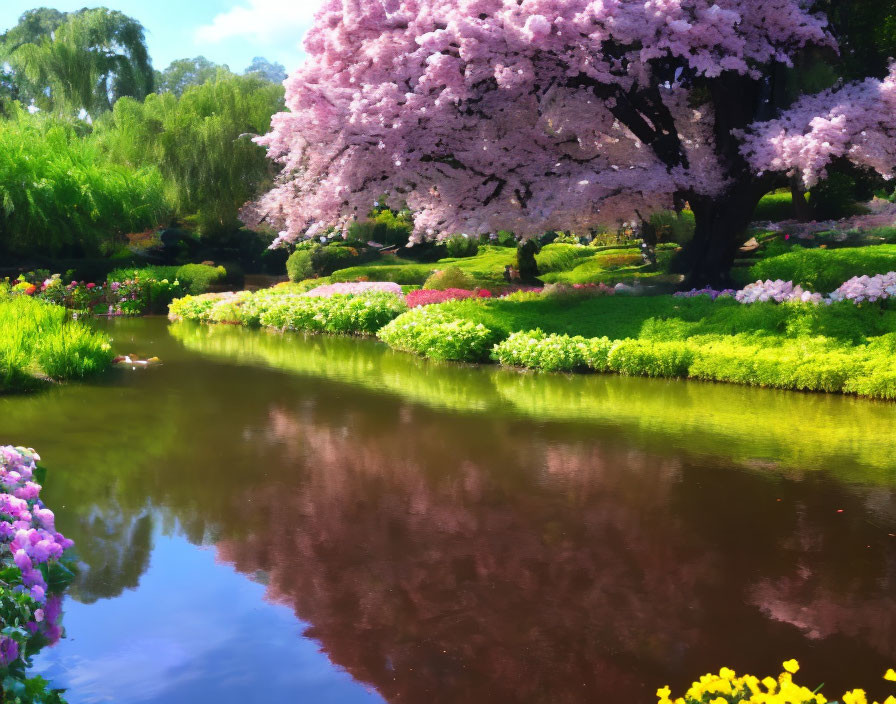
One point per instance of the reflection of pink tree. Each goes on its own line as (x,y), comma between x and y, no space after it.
(413,571)
(822,604)
(526,570)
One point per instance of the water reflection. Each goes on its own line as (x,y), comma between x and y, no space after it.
(450,534)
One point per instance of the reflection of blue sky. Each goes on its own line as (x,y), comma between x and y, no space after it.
(193,631)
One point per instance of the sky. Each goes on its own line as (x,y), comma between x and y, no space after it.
(228,32)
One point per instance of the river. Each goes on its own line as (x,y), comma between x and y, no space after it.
(279,518)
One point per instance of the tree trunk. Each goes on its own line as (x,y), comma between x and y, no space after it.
(801,209)
(525,262)
(721,227)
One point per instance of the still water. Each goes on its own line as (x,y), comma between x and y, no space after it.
(269,518)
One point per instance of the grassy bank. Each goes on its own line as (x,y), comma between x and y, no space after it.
(39,341)
(841,347)
(835,348)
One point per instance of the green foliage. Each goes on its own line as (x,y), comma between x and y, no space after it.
(461,247)
(674,227)
(838,348)
(349,315)
(405,273)
(834,198)
(650,358)
(327,259)
(775,206)
(552,353)
(561,257)
(283,308)
(268,70)
(39,339)
(201,142)
(384,227)
(183,73)
(198,278)
(449,277)
(60,196)
(298,266)
(824,270)
(83,60)
(436,332)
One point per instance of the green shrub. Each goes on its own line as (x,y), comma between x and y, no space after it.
(824,270)
(553,353)
(561,257)
(298,266)
(325,260)
(449,277)
(642,358)
(437,332)
(198,278)
(345,314)
(461,246)
(193,307)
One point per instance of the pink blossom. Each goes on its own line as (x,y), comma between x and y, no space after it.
(328,290)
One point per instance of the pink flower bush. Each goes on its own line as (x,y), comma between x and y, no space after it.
(711,292)
(421,297)
(30,547)
(354,288)
(867,288)
(27,528)
(777,291)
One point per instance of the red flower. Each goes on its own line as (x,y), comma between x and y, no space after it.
(31,290)
(90,286)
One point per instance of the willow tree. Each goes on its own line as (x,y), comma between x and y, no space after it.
(537,115)
(201,142)
(80,61)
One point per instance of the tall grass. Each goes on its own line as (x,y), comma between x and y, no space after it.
(60,196)
(39,340)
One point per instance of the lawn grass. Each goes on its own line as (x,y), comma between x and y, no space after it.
(39,340)
(824,270)
(837,348)
(559,263)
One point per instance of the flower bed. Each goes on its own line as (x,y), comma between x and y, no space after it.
(777,291)
(348,289)
(865,288)
(727,688)
(126,291)
(428,297)
(32,578)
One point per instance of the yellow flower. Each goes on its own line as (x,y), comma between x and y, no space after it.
(890,675)
(663,693)
(792,666)
(856,696)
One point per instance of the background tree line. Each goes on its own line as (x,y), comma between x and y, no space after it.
(95,143)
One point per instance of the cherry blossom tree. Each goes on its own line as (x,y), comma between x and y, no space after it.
(538,115)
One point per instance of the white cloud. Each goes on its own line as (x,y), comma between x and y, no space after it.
(269,22)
